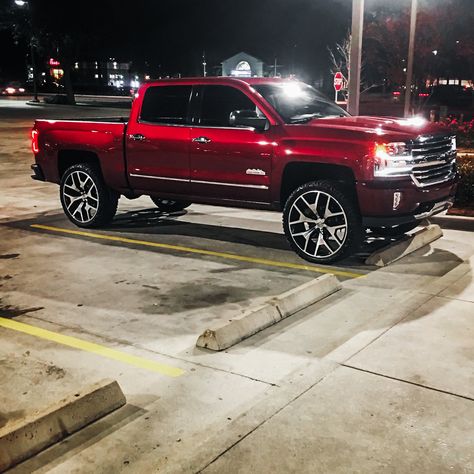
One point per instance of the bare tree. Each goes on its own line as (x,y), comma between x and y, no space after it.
(340,59)
(339,56)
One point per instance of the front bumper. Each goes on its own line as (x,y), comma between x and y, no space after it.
(425,210)
(377,204)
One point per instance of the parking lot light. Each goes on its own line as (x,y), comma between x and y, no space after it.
(24,3)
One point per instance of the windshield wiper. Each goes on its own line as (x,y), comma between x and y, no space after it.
(307,117)
(303,118)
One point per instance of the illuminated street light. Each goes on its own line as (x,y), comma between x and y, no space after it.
(23,3)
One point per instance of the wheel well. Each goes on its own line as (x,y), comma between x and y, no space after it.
(67,158)
(296,174)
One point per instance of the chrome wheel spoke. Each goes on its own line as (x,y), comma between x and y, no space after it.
(305,233)
(72,187)
(72,198)
(337,232)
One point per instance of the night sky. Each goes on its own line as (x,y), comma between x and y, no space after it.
(171,35)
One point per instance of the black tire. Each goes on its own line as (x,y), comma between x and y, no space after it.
(83,183)
(168,205)
(340,224)
(396,230)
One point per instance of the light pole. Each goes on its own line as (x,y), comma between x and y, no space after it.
(411,52)
(204,64)
(355,56)
(23,3)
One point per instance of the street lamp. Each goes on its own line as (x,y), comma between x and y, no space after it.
(23,3)
(204,64)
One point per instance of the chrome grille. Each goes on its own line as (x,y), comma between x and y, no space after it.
(434,160)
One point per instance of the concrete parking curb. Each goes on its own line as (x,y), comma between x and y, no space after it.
(27,437)
(278,308)
(395,251)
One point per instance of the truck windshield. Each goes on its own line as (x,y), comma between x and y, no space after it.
(297,102)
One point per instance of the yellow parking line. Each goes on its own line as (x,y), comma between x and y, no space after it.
(179,248)
(91,347)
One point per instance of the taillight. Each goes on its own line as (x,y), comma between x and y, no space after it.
(34,141)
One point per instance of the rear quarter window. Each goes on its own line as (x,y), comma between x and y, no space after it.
(166,105)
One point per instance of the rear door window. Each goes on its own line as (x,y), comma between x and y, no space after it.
(166,105)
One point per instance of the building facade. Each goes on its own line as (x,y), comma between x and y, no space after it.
(242,65)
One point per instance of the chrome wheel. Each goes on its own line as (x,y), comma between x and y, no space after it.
(80,196)
(317,224)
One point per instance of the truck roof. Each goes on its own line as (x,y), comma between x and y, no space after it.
(220,80)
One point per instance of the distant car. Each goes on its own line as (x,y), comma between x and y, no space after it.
(398,94)
(13,88)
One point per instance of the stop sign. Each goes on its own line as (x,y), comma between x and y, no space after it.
(338,80)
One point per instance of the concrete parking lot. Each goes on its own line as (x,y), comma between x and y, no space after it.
(378,377)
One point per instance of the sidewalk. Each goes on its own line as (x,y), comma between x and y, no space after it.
(404,403)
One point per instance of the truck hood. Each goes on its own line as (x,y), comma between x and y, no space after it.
(393,128)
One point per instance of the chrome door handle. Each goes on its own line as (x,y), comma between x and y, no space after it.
(202,140)
(137,137)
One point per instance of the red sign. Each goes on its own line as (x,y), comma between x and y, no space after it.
(54,62)
(338,81)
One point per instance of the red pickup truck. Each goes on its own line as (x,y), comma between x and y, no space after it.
(260,143)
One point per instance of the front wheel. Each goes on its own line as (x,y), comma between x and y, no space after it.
(321,222)
(168,205)
(86,199)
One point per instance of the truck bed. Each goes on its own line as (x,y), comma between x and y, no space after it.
(92,120)
(59,141)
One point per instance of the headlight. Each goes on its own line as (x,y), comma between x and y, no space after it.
(392,160)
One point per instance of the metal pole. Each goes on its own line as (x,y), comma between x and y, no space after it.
(33,65)
(355,56)
(204,64)
(411,51)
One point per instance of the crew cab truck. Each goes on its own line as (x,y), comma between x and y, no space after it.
(259,143)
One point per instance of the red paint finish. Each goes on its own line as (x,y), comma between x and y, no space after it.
(164,153)
(238,157)
(230,165)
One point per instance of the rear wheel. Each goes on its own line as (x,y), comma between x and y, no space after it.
(168,205)
(321,222)
(86,199)
(395,230)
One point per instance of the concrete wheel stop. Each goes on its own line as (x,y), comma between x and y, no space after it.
(407,245)
(274,310)
(27,437)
